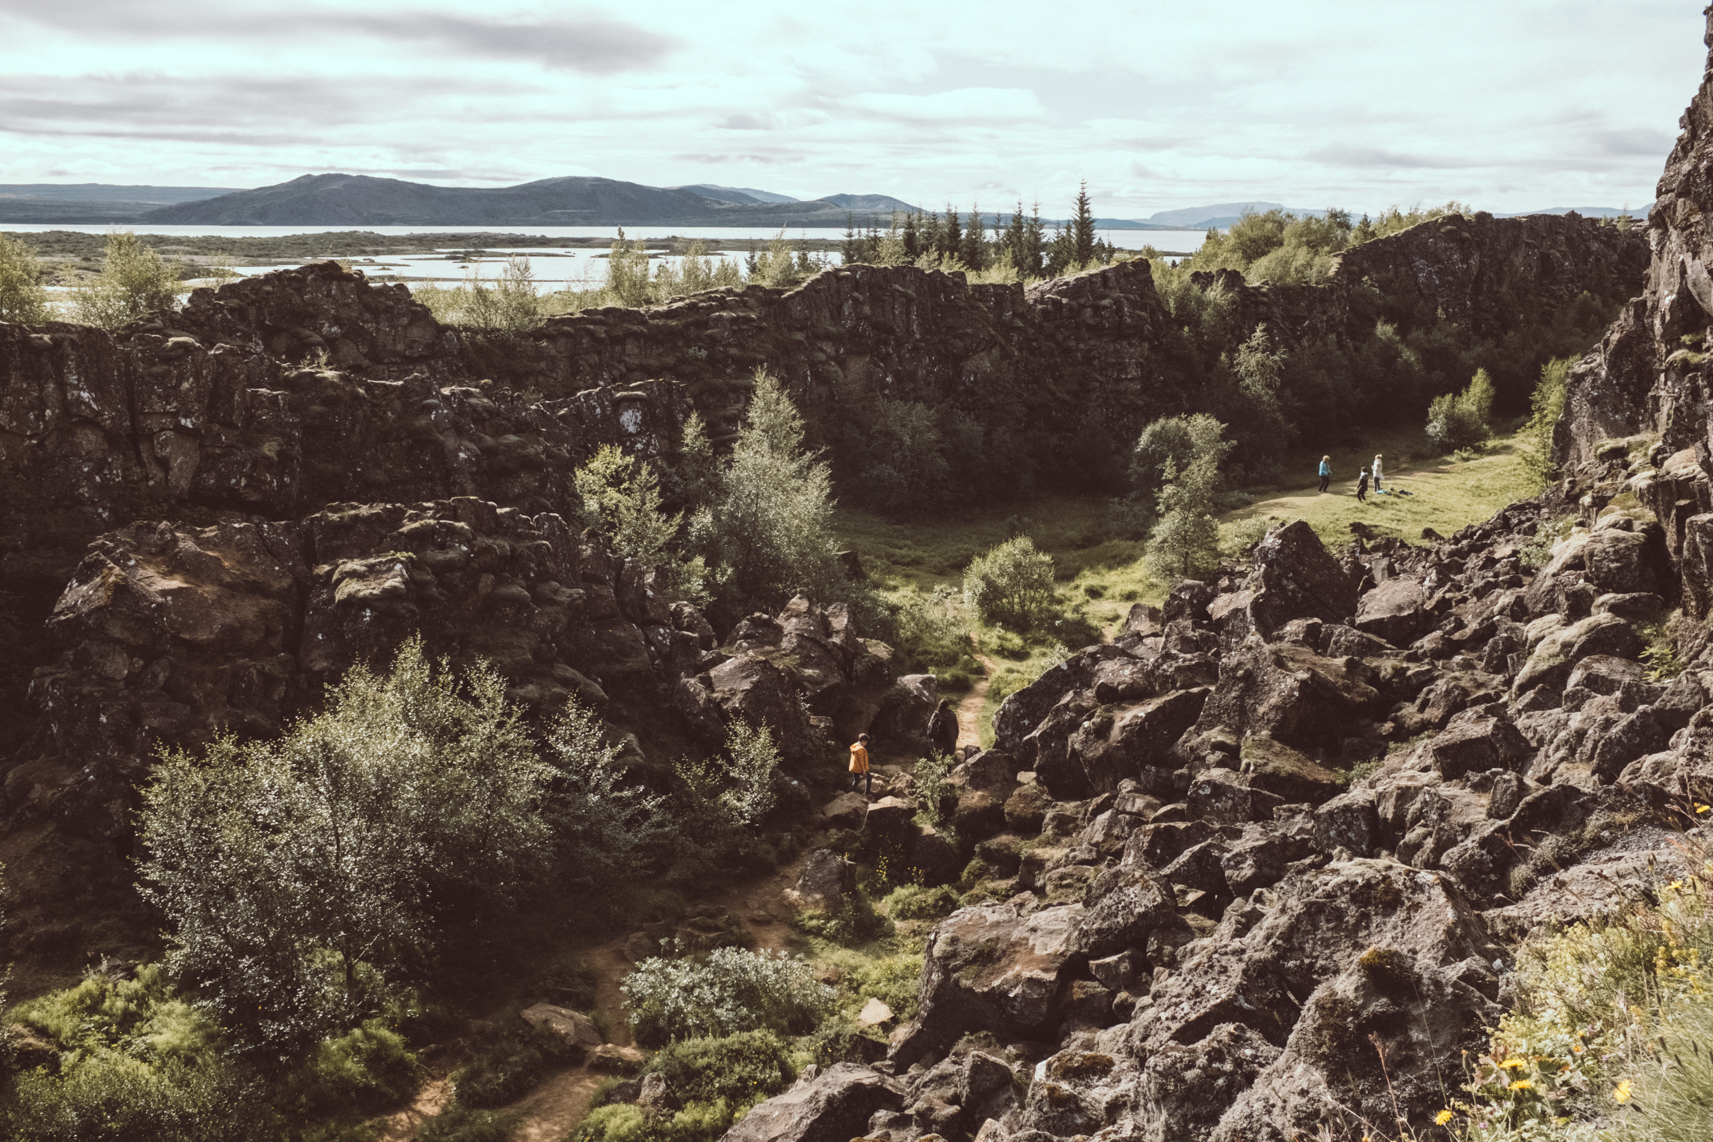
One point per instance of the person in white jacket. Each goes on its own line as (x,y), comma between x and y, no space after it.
(1377,474)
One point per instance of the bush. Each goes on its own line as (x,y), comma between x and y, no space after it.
(913,902)
(458,1123)
(1463,420)
(852,921)
(133,283)
(1012,584)
(367,1069)
(108,1096)
(506,306)
(728,992)
(23,301)
(742,1069)
(295,872)
(1546,405)
(510,1066)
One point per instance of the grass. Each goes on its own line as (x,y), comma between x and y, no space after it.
(1447,493)
(1100,576)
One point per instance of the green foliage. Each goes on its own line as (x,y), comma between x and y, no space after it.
(1465,419)
(23,300)
(742,1069)
(460,1123)
(934,630)
(1012,584)
(109,1096)
(914,902)
(1610,1031)
(769,534)
(510,1065)
(729,991)
(134,282)
(607,828)
(1184,457)
(931,773)
(363,1070)
(1546,406)
(852,921)
(508,306)
(296,874)
(622,500)
(1660,653)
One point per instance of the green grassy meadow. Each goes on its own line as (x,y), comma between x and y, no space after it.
(1101,576)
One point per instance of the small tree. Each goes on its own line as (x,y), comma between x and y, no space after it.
(1012,584)
(133,283)
(298,874)
(1546,405)
(1462,420)
(1185,541)
(770,533)
(1082,229)
(622,500)
(23,300)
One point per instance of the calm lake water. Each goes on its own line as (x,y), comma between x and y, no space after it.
(557,268)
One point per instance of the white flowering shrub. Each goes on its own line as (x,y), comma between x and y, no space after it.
(731,990)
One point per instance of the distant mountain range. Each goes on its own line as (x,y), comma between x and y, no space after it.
(347,200)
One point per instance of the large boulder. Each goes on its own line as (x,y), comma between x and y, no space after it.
(834,1106)
(1288,693)
(1124,743)
(1397,611)
(1551,661)
(991,969)
(1294,577)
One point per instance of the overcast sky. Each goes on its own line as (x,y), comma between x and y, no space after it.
(1505,104)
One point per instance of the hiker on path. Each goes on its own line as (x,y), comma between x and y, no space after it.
(1362,487)
(859,767)
(1325,472)
(943,729)
(1377,474)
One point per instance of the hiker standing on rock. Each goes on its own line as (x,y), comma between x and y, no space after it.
(1377,474)
(859,767)
(943,729)
(1325,472)
(1362,487)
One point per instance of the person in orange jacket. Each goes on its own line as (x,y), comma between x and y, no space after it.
(859,767)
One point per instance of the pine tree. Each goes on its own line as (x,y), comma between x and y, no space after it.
(1034,245)
(1082,229)
(973,250)
(952,236)
(850,250)
(912,238)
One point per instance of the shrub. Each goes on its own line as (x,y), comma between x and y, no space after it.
(294,871)
(366,1069)
(110,1096)
(1546,405)
(930,774)
(459,1123)
(23,300)
(510,1066)
(852,921)
(508,305)
(1463,420)
(1012,584)
(622,500)
(913,902)
(933,629)
(133,283)
(742,1069)
(728,992)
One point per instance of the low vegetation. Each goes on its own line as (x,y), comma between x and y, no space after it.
(1611,1033)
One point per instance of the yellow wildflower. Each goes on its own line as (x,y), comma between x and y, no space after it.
(1622,1094)
(1442,1117)
(1522,1084)
(1700,808)
(1512,1064)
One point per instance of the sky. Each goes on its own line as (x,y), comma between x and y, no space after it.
(1506,105)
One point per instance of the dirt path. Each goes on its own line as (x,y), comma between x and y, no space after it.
(974,703)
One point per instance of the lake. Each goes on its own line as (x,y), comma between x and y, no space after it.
(555,268)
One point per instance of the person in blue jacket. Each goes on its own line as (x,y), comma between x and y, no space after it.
(1325,472)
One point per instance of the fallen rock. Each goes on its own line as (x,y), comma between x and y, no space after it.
(834,1106)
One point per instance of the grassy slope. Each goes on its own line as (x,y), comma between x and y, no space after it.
(1103,576)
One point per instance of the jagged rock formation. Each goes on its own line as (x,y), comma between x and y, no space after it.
(1194,925)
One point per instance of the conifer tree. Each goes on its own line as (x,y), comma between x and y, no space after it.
(1082,229)
(1034,244)
(973,250)
(951,238)
(912,238)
